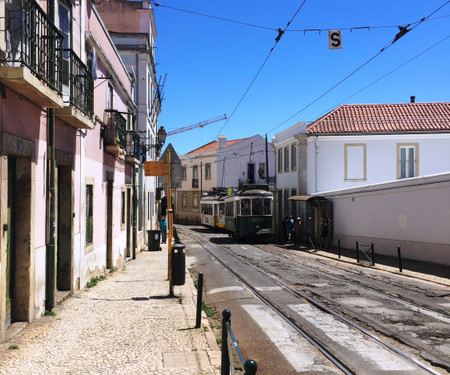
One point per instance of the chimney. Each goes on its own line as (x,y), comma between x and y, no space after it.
(221,142)
(413,99)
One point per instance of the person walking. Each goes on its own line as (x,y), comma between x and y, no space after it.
(163,228)
(298,231)
(325,224)
(290,229)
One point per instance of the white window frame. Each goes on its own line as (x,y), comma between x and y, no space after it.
(404,167)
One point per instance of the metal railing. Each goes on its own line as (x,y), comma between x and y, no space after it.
(32,40)
(228,344)
(134,148)
(77,75)
(116,125)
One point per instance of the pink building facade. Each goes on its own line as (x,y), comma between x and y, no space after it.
(68,155)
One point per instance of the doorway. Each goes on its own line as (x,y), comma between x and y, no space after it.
(18,249)
(64,229)
(109,223)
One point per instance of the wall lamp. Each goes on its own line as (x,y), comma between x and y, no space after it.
(161,139)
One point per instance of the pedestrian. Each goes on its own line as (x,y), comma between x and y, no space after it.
(284,230)
(325,224)
(163,228)
(298,231)
(290,225)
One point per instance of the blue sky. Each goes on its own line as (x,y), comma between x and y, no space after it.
(211,63)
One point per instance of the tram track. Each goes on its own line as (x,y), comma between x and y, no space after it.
(205,243)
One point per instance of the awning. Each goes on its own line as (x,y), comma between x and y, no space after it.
(307,198)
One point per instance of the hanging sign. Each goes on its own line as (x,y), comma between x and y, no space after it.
(155,168)
(334,39)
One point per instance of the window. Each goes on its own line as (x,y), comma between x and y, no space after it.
(183,200)
(207,171)
(280,160)
(183,170)
(89,214)
(64,27)
(257,206)
(286,159)
(267,206)
(195,176)
(195,200)
(229,209)
(293,157)
(355,159)
(109,97)
(407,160)
(122,211)
(245,207)
(262,171)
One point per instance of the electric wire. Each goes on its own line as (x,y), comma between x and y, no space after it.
(277,39)
(156,4)
(388,45)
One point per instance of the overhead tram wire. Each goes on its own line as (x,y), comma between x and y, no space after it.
(401,33)
(387,74)
(156,4)
(277,39)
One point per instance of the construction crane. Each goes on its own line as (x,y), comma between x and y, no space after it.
(198,125)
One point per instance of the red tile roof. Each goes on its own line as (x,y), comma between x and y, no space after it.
(383,118)
(211,146)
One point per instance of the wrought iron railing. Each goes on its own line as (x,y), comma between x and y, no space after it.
(77,75)
(116,125)
(134,147)
(32,40)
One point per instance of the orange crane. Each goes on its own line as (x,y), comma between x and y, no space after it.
(198,125)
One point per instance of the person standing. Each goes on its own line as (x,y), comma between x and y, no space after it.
(298,231)
(325,224)
(163,228)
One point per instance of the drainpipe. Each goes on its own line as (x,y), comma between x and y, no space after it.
(50,255)
(134,240)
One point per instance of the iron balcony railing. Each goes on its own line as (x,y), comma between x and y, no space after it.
(195,182)
(79,79)
(134,147)
(116,125)
(33,41)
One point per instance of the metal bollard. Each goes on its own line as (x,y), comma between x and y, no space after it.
(225,363)
(399,259)
(373,254)
(357,252)
(339,249)
(250,367)
(199,300)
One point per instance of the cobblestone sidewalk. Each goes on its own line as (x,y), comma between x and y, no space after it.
(126,324)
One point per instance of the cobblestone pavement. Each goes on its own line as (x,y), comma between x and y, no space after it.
(126,324)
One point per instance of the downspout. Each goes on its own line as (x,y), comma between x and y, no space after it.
(134,240)
(267,163)
(316,151)
(51,172)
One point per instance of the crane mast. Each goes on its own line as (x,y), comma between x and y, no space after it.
(198,125)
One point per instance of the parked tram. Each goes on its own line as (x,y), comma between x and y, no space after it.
(248,212)
(212,209)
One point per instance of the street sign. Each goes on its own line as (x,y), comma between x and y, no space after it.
(176,170)
(155,168)
(334,39)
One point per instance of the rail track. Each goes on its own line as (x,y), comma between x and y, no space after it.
(323,304)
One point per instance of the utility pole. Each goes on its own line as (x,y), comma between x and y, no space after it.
(170,223)
(267,163)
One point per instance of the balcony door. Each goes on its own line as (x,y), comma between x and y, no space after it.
(65,27)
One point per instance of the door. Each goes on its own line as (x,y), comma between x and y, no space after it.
(109,224)
(10,249)
(251,173)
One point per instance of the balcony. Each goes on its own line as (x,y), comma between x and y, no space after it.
(256,182)
(134,148)
(195,182)
(115,134)
(78,92)
(30,53)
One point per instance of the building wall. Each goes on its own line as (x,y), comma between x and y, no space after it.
(326,159)
(411,213)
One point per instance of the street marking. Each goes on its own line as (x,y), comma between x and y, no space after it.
(354,341)
(300,354)
(226,289)
(268,288)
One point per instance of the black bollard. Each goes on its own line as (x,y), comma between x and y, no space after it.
(250,367)
(199,300)
(399,259)
(225,363)
(357,252)
(339,249)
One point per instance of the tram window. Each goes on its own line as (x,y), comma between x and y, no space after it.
(267,206)
(257,206)
(221,208)
(245,207)
(229,211)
